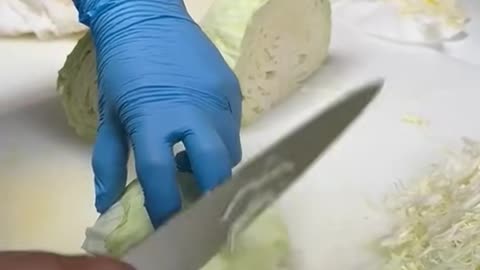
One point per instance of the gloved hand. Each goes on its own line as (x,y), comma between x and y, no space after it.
(161,81)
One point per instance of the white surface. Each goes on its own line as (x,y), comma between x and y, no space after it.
(46,198)
(330,211)
(44,18)
(375,19)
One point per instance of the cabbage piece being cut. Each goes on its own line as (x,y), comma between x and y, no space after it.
(263,245)
(44,18)
(437,220)
(272,46)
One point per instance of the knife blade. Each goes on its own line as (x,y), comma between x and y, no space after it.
(192,237)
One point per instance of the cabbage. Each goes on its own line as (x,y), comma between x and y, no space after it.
(263,245)
(437,220)
(272,46)
(423,22)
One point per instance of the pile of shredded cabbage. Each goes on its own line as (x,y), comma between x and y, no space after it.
(438,220)
(421,22)
(448,11)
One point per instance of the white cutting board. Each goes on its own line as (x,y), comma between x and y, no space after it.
(330,212)
(46,197)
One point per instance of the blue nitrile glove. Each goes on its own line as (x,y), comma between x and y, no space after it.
(160,81)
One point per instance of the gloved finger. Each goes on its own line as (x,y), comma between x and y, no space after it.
(235,103)
(109,161)
(234,150)
(229,131)
(208,156)
(156,172)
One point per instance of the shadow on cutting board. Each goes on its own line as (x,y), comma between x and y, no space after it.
(45,117)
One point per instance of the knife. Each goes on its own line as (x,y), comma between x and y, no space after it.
(192,237)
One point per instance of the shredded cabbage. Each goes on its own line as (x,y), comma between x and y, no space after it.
(447,11)
(438,219)
(414,120)
(423,22)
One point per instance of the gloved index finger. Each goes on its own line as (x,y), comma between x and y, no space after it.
(207,157)
(156,172)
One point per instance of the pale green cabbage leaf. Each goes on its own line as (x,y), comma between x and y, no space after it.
(262,245)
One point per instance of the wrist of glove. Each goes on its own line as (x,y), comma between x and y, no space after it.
(94,13)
